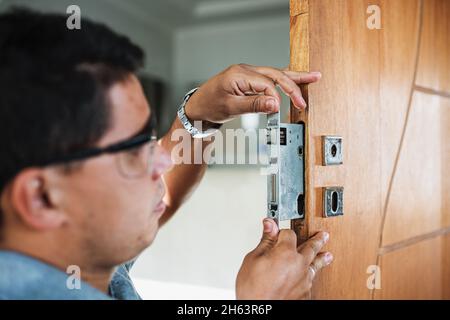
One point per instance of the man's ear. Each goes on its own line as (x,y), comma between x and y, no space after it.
(31,200)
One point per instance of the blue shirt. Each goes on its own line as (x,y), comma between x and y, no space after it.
(24,277)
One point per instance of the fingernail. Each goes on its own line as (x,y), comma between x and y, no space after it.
(267,226)
(317,73)
(328,257)
(326,236)
(303,102)
(270,105)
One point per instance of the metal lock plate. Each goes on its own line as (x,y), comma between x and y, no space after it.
(285,182)
(332,150)
(333,201)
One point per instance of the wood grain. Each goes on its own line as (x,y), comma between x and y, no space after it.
(415,203)
(299,38)
(414,272)
(399,45)
(434,65)
(332,108)
(445,163)
(396,152)
(446,268)
(298,7)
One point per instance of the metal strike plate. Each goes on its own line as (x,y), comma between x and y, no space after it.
(285,181)
(333,201)
(332,150)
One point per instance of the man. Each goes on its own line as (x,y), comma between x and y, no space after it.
(82,182)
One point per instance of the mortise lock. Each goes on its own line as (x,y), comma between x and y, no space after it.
(285,181)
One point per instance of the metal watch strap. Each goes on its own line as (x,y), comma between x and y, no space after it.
(195,133)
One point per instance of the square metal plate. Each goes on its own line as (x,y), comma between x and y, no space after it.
(332,150)
(333,201)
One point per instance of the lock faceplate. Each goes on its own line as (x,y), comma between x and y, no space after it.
(332,150)
(333,201)
(285,182)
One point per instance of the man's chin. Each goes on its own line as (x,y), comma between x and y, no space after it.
(149,238)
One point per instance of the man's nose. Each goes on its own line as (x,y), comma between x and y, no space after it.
(162,162)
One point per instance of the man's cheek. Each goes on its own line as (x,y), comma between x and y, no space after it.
(136,215)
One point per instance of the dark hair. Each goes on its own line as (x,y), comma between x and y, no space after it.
(53,84)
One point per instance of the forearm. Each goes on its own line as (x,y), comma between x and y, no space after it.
(183,178)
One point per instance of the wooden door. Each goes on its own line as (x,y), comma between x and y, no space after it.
(387,93)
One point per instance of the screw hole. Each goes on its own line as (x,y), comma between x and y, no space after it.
(333,150)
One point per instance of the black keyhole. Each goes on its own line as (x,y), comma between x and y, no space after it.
(333,150)
(334,201)
(300,204)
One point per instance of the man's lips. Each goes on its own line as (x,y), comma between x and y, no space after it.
(160,208)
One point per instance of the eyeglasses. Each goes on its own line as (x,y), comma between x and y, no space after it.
(134,156)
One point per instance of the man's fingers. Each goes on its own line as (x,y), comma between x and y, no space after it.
(289,87)
(303,77)
(256,104)
(257,94)
(322,260)
(287,238)
(254,83)
(312,247)
(269,237)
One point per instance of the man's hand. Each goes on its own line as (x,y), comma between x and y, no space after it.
(235,91)
(244,89)
(278,269)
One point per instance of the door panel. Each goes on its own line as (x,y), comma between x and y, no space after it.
(434,62)
(415,202)
(413,272)
(384,92)
(399,41)
(446,266)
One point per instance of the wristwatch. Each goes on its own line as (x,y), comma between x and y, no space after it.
(195,133)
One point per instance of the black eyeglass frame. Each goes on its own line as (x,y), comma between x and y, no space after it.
(147,134)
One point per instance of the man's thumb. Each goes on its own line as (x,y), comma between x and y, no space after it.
(258,104)
(269,237)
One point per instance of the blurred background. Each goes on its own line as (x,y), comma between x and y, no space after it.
(198,253)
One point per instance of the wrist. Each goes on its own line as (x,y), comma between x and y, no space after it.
(196,117)
(193,120)
(190,108)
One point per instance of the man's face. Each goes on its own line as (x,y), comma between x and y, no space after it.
(112,217)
